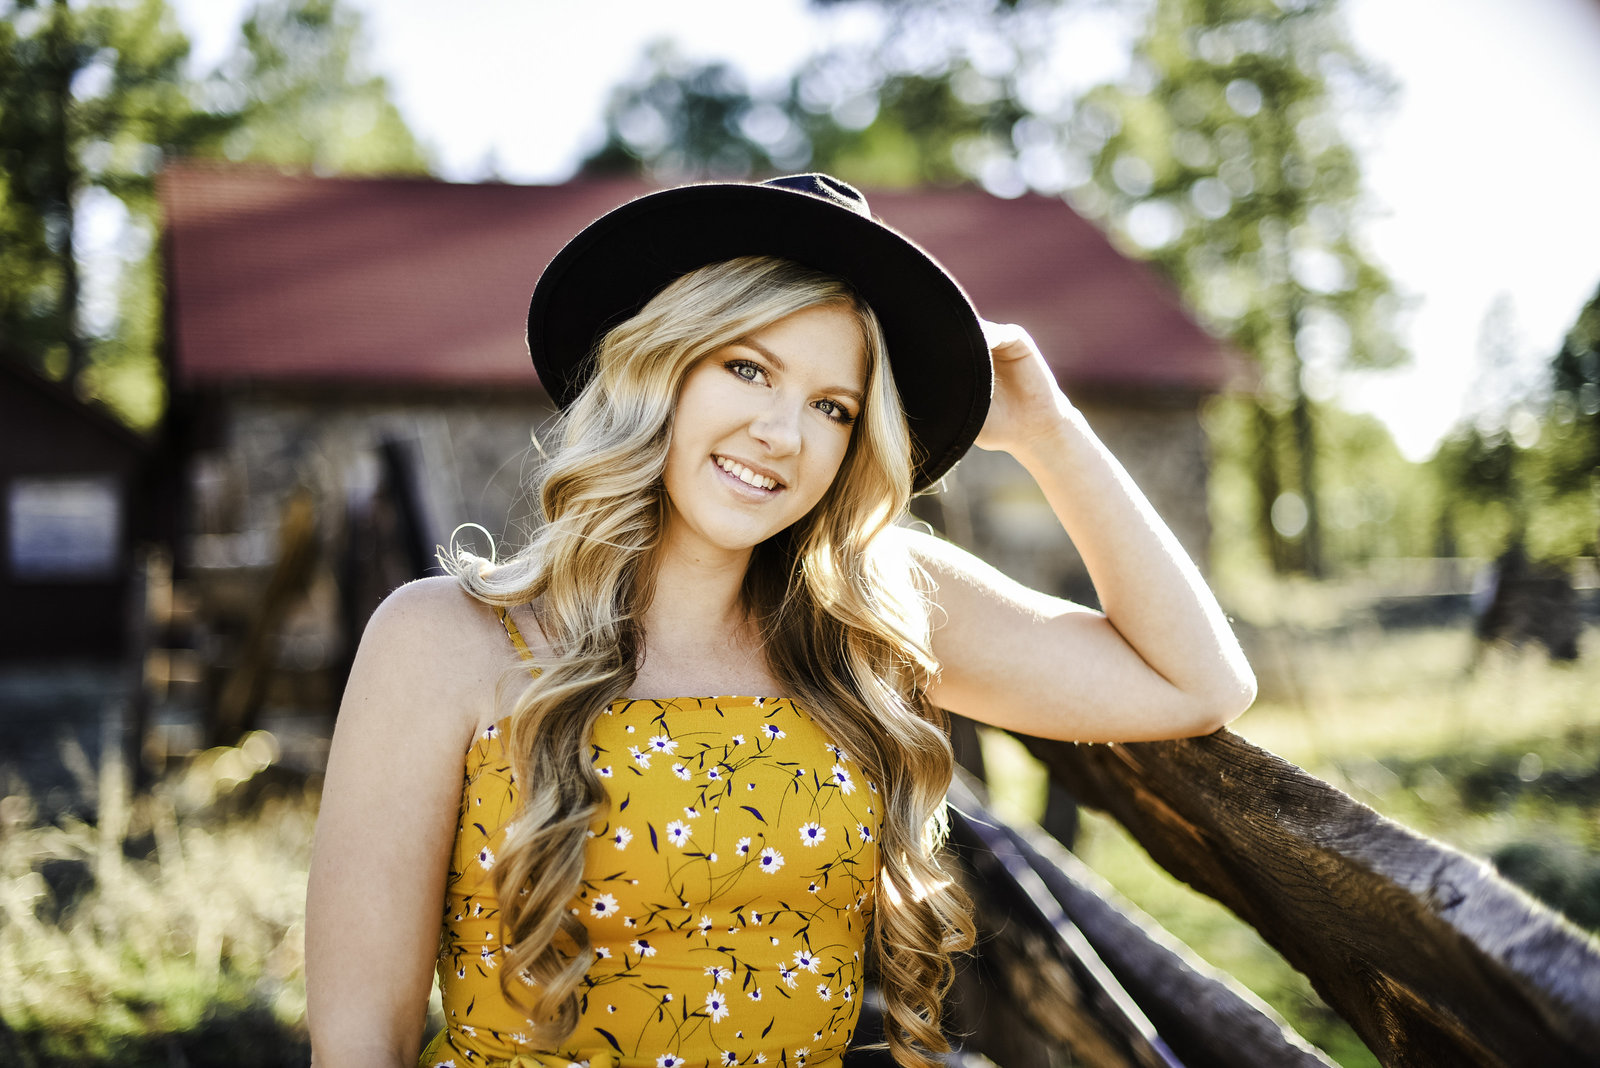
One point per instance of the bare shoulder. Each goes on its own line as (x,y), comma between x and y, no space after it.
(429,661)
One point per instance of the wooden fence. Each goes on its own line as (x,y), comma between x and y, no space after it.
(1431,957)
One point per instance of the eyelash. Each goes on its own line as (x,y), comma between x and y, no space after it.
(840,414)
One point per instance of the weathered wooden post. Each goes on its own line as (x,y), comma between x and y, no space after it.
(1431,957)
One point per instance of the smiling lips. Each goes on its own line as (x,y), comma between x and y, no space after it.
(745,475)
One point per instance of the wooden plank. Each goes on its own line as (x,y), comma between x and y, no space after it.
(1204,1016)
(244,688)
(1431,957)
(1051,973)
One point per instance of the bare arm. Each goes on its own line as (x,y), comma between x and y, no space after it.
(1160,662)
(390,802)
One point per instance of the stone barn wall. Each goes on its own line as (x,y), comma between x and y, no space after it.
(990,505)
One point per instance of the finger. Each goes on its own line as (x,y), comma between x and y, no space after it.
(996,335)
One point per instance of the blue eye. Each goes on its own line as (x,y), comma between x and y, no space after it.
(744,369)
(836,411)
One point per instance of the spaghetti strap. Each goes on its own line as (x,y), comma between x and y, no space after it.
(513,633)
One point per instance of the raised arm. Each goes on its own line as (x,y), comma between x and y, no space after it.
(1161,662)
(390,803)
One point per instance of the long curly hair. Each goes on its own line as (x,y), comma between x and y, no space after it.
(844,612)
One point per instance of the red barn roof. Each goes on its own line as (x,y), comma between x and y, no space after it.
(302,280)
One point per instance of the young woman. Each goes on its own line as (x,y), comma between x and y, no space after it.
(632,871)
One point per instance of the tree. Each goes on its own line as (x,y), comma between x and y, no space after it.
(93,99)
(1522,469)
(1221,157)
(302,96)
(1575,406)
(90,97)
(871,114)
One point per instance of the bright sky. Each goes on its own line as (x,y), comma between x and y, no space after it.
(1481,179)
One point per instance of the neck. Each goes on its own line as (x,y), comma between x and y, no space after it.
(697,598)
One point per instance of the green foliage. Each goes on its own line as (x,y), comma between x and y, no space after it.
(677,119)
(1221,158)
(94,99)
(303,98)
(1542,491)
(865,115)
(1376,503)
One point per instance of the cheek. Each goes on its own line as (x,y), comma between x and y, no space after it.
(829,458)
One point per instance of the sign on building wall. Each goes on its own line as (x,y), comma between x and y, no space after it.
(63,529)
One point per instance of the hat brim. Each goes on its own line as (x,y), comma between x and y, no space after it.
(607,273)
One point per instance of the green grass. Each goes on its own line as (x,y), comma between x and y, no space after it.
(1502,761)
(168,930)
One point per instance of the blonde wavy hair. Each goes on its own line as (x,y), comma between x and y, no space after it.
(845,614)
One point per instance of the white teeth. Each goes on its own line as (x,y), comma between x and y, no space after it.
(745,475)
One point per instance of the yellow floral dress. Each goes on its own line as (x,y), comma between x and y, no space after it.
(727,894)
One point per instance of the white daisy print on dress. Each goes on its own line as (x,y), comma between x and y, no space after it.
(605,772)
(678,833)
(663,744)
(622,837)
(705,925)
(773,731)
(643,948)
(805,959)
(668,1060)
(729,1058)
(485,858)
(864,831)
(824,992)
(787,974)
(718,973)
(681,772)
(641,759)
(771,860)
(841,778)
(716,1006)
(603,905)
(742,847)
(812,833)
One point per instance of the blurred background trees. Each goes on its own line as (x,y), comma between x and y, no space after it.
(1524,468)
(1219,155)
(93,98)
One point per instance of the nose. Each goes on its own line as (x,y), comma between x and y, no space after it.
(777,426)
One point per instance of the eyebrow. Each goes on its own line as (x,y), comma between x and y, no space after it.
(749,343)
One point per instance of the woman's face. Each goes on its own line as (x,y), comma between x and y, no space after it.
(760,430)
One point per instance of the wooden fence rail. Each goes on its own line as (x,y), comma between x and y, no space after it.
(1068,969)
(1431,957)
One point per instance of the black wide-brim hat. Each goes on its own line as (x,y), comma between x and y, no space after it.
(611,270)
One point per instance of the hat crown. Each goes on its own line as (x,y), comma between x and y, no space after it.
(825,187)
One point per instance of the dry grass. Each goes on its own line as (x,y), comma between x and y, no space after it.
(167,924)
